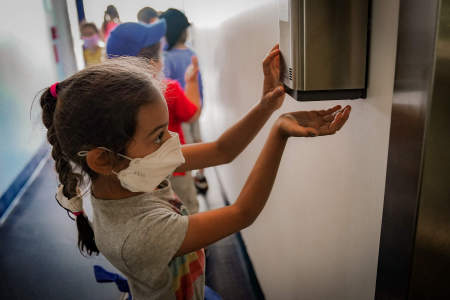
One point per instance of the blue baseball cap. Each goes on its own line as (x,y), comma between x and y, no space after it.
(128,39)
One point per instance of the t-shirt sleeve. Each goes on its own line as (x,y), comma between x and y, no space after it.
(153,243)
(184,108)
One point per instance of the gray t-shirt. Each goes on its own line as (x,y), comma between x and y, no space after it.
(140,236)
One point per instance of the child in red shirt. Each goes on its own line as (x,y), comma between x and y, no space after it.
(135,39)
(181,110)
(180,107)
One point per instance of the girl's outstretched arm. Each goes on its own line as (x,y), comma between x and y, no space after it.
(207,227)
(234,140)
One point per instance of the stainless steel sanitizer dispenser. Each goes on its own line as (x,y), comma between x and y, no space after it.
(324,45)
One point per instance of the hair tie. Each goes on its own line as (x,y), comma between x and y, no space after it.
(53,90)
(74,205)
(77,213)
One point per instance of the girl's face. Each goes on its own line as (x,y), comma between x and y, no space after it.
(151,129)
(88,32)
(151,132)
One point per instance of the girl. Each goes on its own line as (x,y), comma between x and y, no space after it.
(110,122)
(93,53)
(110,21)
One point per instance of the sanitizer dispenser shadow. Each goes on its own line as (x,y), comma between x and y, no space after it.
(324,45)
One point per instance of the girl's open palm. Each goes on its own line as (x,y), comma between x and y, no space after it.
(313,123)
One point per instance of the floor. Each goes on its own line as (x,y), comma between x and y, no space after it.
(39,257)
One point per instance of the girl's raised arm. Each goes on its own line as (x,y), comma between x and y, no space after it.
(235,139)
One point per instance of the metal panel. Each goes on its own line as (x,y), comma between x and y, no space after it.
(412,98)
(290,44)
(324,45)
(431,263)
(335,44)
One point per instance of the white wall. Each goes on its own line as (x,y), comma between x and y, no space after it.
(95,9)
(27,65)
(318,236)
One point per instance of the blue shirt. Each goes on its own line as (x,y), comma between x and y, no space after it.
(176,62)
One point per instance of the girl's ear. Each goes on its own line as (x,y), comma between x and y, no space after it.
(100,161)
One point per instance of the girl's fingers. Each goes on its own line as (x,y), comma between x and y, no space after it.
(334,125)
(345,115)
(337,123)
(341,118)
(270,57)
(329,111)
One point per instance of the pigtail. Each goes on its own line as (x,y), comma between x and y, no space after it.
(86,239)
(69,179)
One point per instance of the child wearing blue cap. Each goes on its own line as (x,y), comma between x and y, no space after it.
(143,40)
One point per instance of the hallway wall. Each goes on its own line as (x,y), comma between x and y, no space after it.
(27,65)
(318,236)
(128,10)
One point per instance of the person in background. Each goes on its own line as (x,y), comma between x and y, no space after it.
(147,15)
(110,21)
(143,40)
(93,53)
(177,58)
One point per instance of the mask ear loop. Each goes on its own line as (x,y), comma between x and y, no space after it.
(84,153)
(118,154)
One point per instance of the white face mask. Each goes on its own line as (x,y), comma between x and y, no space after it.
(145,174)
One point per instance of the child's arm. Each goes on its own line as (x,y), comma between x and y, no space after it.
(192,88)
(207,227)
(235,139)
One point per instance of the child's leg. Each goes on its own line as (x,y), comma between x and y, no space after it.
(195,131)
(184,187)
(188,138)
(191,132)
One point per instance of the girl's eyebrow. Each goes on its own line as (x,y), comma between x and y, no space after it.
(157,128)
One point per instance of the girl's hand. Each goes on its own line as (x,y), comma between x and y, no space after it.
(191,73)
(313,123)
(273,90)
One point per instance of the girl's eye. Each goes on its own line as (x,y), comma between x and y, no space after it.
(159,138)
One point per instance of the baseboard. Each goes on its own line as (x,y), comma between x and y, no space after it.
(7,199)
(248,263)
